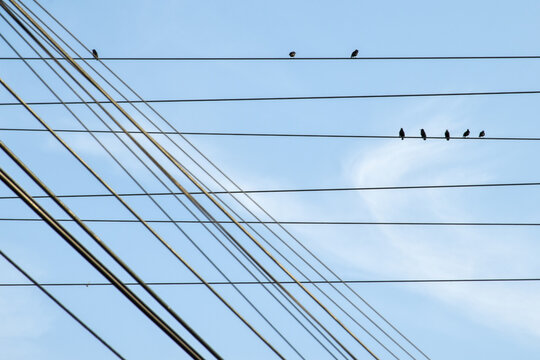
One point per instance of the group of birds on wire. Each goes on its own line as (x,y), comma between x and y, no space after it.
(353,54)
(446,134)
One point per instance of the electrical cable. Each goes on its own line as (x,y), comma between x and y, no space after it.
(161,209)
(172,179)
(223,174)
(286,135)
(77,246)
(62,306)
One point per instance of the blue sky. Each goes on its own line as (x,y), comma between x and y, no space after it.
(447,321)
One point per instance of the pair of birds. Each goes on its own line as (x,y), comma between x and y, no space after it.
(446,134)
(353,55)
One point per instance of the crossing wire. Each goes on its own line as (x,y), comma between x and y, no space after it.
(61,25)
(193,200)
(227,250)
(297,135)
(297,190)
(140,219)
(293,265)
(61,305)
(284,98)
(358,58)
(102,269)
(189,283)
(322,222)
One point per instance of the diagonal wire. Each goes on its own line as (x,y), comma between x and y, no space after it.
(62,306)
(184,138)
(170,249)
(77,246)
(193,200)
(161,209)
(296,268)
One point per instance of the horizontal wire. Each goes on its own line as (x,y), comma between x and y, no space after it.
(523,92)
(302,135)
(385,281)
(397,223)
(262,191)
(495,57)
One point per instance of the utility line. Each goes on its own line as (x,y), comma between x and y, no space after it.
(281,98)
(102,269)
(370,58)
(61,305)
(193,200)
(337,282)
(297,190)
(127,206)
(254,134)
(197,246)
(211,164)
(247,195)
(396,223)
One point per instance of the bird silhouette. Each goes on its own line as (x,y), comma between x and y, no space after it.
(423,134)
(94,52)
(354,53)
(482,133)
(401,133)
(466,133)
(447,135)
(292,54)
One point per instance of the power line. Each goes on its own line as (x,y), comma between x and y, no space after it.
(259,134)
(182,260)
(92,260)
(112,191)
(61,305)
(397,223)
(187,283)
(297,190)
(359,58)
(329,97)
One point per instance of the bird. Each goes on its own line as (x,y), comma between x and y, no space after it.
(94,52)
(447,135)
(423,134)
(401,133)
(482,133)
(354,53)
(292,54)
(466,133)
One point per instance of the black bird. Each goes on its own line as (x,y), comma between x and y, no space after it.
(466,133)
(482,133)
(423,134)
(447,135)
(354,53)
(401,133)
(292,54)
(94,52)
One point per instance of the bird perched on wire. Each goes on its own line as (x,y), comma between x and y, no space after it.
(292,54)
(94,52)
(423,134)
(466,133)
(401,134)
(447,135)
(482,133)
(354,53)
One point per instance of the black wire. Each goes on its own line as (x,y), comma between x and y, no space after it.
(62,306)
(119,162)
(495,57)
(374,96)
(386,281)
(302,135)
(300,190)
(397,223)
